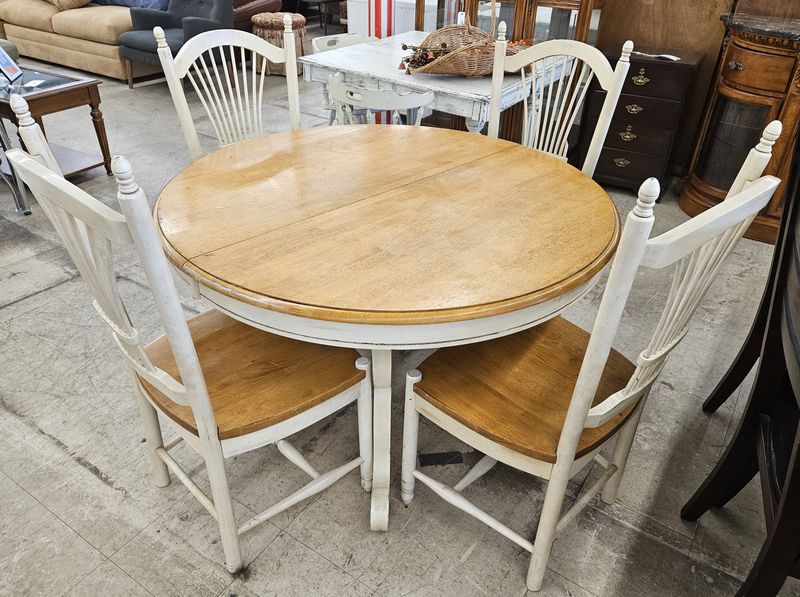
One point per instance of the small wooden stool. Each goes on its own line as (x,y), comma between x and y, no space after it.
(269,26)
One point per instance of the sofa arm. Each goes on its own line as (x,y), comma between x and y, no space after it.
(196,25)
(144,19)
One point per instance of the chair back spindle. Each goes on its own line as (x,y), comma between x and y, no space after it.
(227,70)
(556,76)
(697,248)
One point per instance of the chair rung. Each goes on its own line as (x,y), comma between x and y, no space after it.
(587,495)
(187,481)
(483,466)
(296,457)
(454,498)
(172,443)
(313,488)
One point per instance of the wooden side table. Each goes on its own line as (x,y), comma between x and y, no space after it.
(54,93)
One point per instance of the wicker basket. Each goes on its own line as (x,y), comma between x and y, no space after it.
(473,55)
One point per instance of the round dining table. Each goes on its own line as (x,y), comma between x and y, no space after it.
(386,238)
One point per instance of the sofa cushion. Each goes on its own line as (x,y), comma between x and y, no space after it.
(35,14)
(102,24)
(68,4)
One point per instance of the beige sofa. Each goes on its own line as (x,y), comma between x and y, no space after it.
(81,38)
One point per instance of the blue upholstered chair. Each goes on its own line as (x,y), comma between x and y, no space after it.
(182,20)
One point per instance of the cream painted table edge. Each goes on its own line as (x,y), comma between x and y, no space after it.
(381,339)
(374,64)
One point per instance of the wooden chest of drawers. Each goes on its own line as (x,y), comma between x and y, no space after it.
(646,122)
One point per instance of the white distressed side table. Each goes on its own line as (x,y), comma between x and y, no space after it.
(374,64)
(386,238)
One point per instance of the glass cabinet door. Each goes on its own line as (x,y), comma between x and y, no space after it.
(504,11)
(733,129)
(525,19)
(551,22)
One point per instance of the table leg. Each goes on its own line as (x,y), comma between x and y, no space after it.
(14,183)
(100,127)
(474,126)
(381,436)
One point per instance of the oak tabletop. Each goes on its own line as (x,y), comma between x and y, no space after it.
(386,224)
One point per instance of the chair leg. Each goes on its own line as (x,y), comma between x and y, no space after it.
(129,72)
(365,424)
(223,505)
(621,451)
(153,438)
(410,431)
(778,556)
(546,531)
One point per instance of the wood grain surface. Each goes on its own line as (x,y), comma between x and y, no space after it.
(386,224)
(516,390)
(254,379)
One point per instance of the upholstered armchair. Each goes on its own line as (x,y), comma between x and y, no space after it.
(182,20)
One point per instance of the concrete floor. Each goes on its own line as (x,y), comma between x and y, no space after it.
(78,515)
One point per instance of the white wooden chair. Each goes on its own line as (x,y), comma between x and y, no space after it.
(523,400)
(31,135)
(348,99)
(561,70)
(226,68)
(332,42)
(226,387)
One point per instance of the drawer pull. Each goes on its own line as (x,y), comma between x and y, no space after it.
(622,162)
(640,79)
(627,135)
(633,108)
(736,65)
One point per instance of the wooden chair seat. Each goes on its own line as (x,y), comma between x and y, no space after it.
(516,390)
(254,379)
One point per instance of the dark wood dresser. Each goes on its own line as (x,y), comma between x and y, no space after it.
(646,123)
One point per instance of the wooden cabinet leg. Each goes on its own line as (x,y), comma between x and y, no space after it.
(100,127)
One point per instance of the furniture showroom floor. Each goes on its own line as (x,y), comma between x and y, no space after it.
(79,516)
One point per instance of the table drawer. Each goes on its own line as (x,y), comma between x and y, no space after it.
(746,68)
(631,136)
(656,80)
(630,164)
